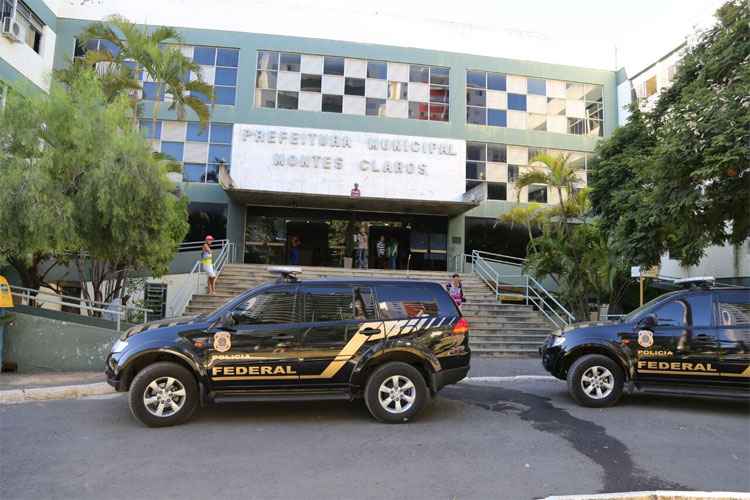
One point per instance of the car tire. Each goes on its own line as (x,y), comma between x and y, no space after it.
(595,381)
(166,388)
(395,392)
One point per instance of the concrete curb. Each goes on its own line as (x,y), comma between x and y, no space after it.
(658,495)
(513,378)
(55,393)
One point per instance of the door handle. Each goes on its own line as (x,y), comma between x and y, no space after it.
(283,337)
(370,331)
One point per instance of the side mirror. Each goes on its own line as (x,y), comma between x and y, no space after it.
(649,320)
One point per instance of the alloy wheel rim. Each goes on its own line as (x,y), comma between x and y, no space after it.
(597,382)
(397,394)
(164,397)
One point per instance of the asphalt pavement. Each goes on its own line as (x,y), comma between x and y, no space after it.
(517,439)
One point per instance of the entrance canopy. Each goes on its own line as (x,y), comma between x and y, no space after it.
(347,203)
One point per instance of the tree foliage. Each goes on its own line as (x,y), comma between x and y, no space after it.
(677,179)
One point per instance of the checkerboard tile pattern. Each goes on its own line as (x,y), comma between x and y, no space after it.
(200,151)
(496,167)
(513,101)
(334,84)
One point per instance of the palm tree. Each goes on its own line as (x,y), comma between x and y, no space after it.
(555,171)
(156,53)
(532,216)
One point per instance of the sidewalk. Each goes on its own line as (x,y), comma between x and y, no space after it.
(19,388)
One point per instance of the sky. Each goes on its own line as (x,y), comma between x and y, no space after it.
(604,34)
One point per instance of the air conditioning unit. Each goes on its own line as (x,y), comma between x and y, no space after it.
(13,30)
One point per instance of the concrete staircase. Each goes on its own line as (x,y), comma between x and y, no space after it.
(496,328)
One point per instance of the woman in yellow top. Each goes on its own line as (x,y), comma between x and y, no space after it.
(207,264)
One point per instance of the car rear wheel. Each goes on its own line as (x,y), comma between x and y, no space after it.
(396,392)
(595,381)
(163,394)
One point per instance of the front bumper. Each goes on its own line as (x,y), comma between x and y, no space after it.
(114,376)
(551,356)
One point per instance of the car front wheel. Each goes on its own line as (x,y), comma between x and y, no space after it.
(396,392)
(163,394)
(595,381)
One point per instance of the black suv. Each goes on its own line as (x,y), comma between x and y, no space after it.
(690,342)
(394,343)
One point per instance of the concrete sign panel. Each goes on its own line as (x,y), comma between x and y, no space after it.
(317,161)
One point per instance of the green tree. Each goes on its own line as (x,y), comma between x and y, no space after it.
(677,179)
(157,53)
(554,171)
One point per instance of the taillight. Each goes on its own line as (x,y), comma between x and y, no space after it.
(461,327)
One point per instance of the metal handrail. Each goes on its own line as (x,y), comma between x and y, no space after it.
(186,246)
(554,300)
(25,294)
(226,254)
(502,256)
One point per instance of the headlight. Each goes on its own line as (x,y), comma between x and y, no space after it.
(119,346)
(558,341)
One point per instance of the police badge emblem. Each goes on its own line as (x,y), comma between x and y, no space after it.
(222,341)
(645,338)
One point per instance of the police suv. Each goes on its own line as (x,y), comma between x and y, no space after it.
(688,342)
(394,343)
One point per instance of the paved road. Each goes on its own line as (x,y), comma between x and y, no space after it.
(515,440)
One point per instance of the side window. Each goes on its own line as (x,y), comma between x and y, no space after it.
(328,304)
(701,310)
(275,306)
(402,302)
(672,314)
(734,308)
(364,304)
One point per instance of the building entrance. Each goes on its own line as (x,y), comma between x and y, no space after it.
(330,238)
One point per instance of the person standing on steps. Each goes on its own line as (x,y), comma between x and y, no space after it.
(207,264)
(456,290)
(294,254)
(380,251)
(362,245)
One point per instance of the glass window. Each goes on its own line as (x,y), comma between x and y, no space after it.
(476,97)
(418,110)
(574,90)
(204,55)
(333,103)
(497,117)
(406,302)
(377,69)
(268,60)
(206,218)
(172,149)
(439,76)
(512,173)
(439,94)
(226,76)
(221,133)
(495,81)
(228,57)
(476,79)
(289,62)
(194,172)
(536,122)
(364,304)
(536,86)
(333,65)
(328,304)
(701,309)
(150,90)
(734,308)
(200,96)
(265,98)
(310,83)
(375,107)
(576,126)
(517,102)
(672,314)
(107,46)
(224,95)
(419,74)
(147,126)
(219,153)
(354,86)
(265,80)
(476,116)
(269,307)
(593,93)
(496,191)
(475,151)
(212,173)
(555,107)
(195,133)
(397,90)
(475,170)
(439,112)
(287,100)
(538,193)
(497,153)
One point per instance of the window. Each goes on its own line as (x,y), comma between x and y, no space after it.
(377,69)
(537,193)
(701,310)
(333,65)
(272,307)
(31,23)
(354,86)
(734,308)
(206,218)
(395,302)
(333,103)
(287,100)
(310,83)
(672,314)
(419,74)
(148,130)
(220,66)
(497,191)
(397,90)
(375,107)
(289,62)
(328,304)
(173,150)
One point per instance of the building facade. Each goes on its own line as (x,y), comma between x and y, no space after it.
(433,140)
